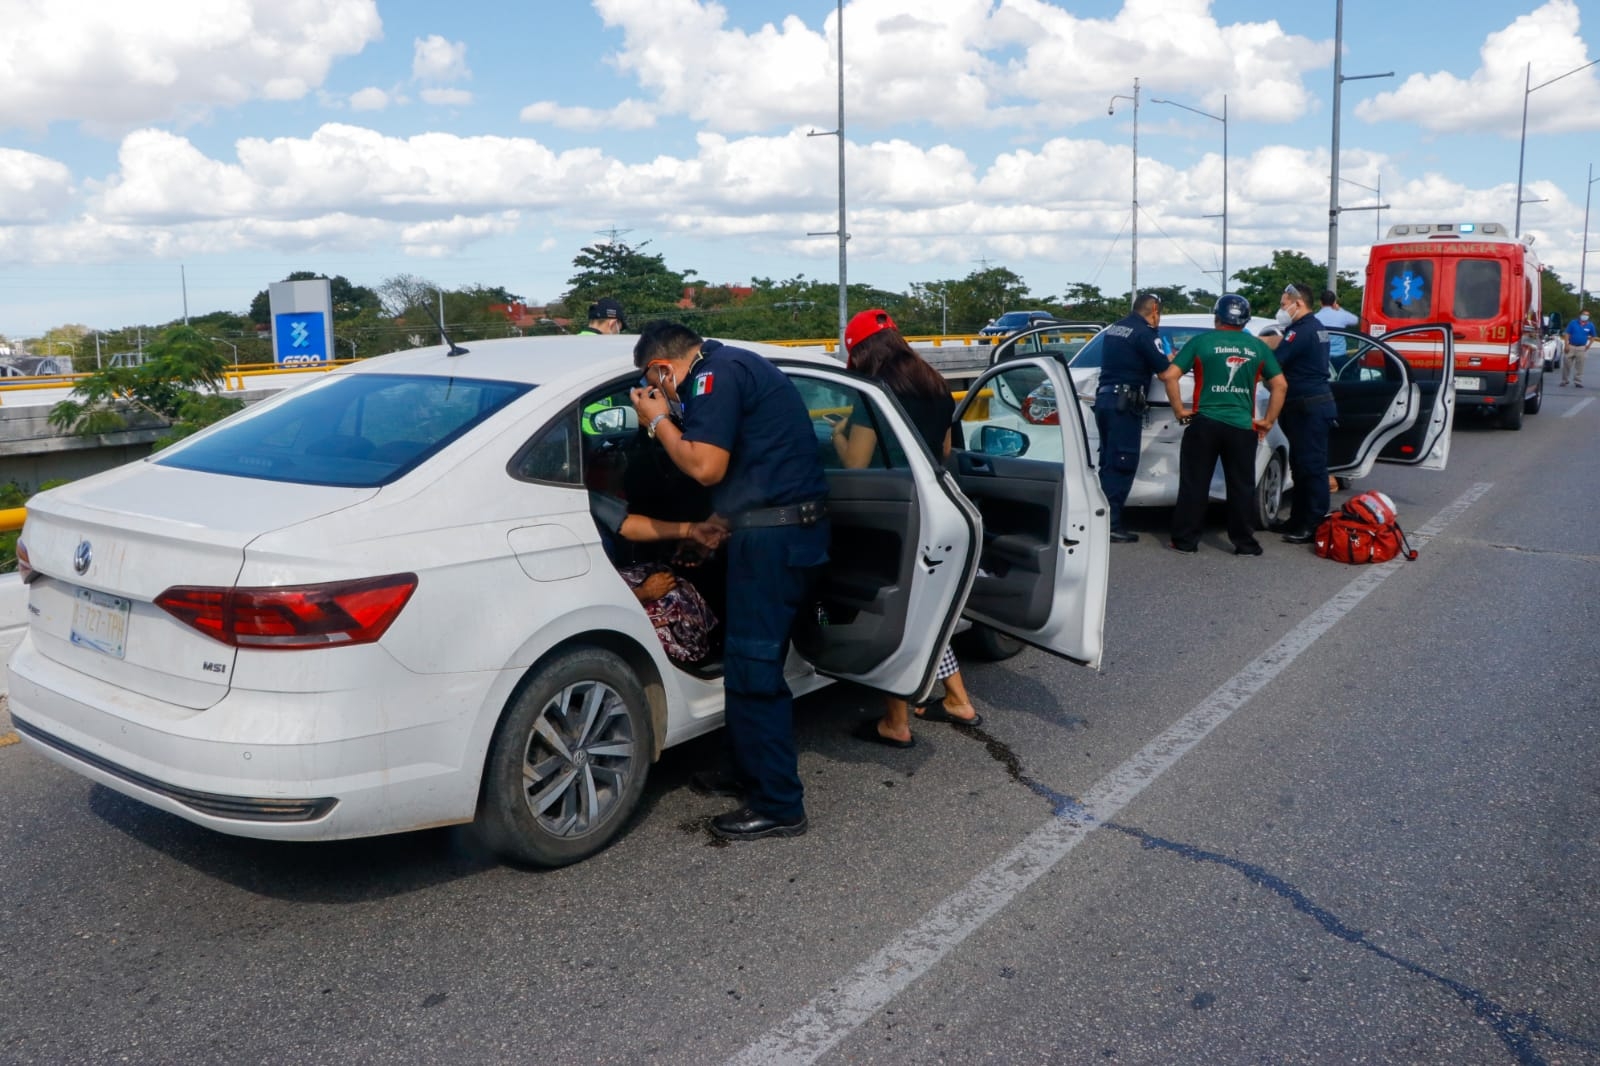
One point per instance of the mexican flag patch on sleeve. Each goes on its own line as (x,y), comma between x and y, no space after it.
(703,383)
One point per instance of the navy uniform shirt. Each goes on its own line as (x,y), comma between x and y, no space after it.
(741,403)
(1130,354)
(1303,354)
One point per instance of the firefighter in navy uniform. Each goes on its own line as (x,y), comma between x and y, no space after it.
(748,435)
(1308,412)
(1131,356)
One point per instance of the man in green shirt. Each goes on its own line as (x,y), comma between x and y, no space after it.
(1227,364)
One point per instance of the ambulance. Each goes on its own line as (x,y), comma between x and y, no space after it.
(1486,285)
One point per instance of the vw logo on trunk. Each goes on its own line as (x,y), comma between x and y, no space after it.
(83,557)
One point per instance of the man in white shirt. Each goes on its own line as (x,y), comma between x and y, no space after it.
(1335,317)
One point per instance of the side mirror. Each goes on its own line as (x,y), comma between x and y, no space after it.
(1006,443)
(611,420)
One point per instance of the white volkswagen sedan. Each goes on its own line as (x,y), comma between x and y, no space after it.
(379,602)
(1389,410)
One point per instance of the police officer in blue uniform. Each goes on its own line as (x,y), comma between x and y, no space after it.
(1308,412)
(1131,355)
(747,434)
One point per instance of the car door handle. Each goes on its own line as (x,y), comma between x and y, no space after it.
(979,466)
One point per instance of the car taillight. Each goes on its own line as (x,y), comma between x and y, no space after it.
(24,566)
(332,614)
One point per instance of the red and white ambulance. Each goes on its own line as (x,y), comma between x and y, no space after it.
(1486,285)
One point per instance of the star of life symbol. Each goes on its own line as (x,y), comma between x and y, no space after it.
(299,335)
(1406,288)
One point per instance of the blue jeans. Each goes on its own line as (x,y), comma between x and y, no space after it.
(1307,422)
(771,575)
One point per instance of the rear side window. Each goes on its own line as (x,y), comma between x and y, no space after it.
(1477,289)
(1408,289)
(358,430)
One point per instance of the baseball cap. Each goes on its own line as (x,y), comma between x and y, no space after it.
(606,307)
(865,325)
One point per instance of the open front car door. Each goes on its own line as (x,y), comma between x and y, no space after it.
(1393,408)
(1020,453)
(904,547)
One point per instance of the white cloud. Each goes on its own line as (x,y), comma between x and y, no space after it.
(959,57)
(1491,98)
(32,187)
(447,236)
(436,61)
(628,115)
(369,99)
(447,97)
(114,65)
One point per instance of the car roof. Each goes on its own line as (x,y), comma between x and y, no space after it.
(545,360)
(1190,319)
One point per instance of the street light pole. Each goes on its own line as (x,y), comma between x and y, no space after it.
(1583,263)
(1379,208)
(230,344)
(1339,78)
(1522,144)
(1222,118)
(844,292)
(1111,109)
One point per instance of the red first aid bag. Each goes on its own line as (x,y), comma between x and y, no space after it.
(1364,530)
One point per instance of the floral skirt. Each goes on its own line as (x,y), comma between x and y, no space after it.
(681,618)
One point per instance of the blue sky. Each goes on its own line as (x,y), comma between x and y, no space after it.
(469,142)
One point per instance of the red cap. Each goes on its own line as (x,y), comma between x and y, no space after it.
(865,325)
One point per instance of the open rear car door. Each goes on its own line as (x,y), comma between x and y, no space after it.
(1392,409)
(904,548)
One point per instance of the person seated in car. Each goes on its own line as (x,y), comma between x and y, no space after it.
(659,534)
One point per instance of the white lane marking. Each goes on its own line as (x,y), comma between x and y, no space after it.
(810,1032)
(1575,408)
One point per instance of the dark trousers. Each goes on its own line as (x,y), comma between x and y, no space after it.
(1205,440)
(1120,433)
(771,575)
(1307,426)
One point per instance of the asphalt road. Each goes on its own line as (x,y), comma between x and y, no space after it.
(1307,813)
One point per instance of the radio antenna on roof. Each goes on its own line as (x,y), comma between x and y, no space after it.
(452,347)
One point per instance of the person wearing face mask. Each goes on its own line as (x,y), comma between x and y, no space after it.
(1580,338)
(1308,411)
(1131,356)
(747,434)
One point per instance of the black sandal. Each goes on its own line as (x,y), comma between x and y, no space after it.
(937,712)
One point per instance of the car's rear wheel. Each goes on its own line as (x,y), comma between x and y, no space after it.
(568,762)
(1531,404)
(987,645)
(1511,414)
(1269,492)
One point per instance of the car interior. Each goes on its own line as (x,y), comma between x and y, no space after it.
(1364,382)
(1010,467)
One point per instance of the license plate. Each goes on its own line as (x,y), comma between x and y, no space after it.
(1466,384)
(100,622)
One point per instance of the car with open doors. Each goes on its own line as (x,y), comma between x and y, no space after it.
(379,601)
(1391,408)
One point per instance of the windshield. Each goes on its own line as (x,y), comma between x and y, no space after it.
(358,430)
(1173,338)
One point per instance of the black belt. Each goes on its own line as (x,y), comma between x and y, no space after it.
(1309,401)
(798,514)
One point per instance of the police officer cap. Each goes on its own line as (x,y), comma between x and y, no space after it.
(606,307)
(1231,310)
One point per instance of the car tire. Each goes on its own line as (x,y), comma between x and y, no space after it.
(1269,492)
(568,761)
(1532,404)
(986,645)
(1511,414)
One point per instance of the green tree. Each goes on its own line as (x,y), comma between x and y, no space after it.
(1263,285)
(1083,302)
(177,385)
(1556,295)
(643,283)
